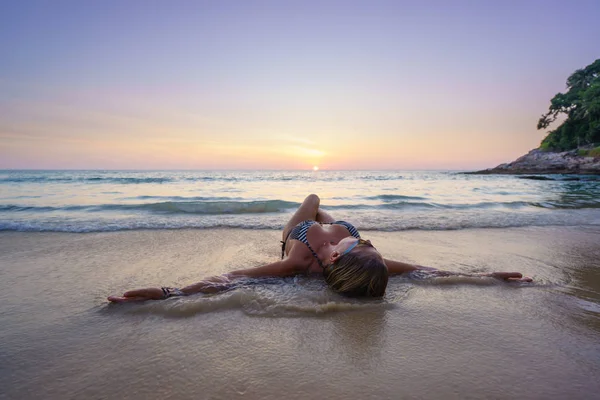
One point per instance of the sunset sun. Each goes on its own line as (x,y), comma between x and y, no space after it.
(315,168)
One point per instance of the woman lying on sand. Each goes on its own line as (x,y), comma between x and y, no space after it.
(315,243)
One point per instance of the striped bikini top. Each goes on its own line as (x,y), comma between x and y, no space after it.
(299,233)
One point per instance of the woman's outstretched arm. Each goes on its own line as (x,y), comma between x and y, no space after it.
(397,267)
(214,284)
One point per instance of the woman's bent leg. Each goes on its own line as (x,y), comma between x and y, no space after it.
(323,216)
(307,211)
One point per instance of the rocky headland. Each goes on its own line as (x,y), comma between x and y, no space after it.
(538,162)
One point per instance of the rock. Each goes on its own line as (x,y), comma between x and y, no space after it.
(547,162)
(536,177)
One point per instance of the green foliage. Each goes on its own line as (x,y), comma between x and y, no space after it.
(581,105)
(545,146)
(595,152)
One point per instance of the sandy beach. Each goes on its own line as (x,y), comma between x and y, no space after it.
(436,339)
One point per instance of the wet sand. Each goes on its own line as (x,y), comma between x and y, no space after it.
(444,338)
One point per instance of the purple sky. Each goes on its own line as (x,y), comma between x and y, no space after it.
(278,84)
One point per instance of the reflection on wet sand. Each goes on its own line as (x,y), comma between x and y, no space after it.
(585,287)
(360,337)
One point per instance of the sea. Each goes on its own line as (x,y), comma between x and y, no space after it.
(101,201)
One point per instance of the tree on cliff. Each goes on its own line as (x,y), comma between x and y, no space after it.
(581,105)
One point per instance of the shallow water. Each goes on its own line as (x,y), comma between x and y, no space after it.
(293,338)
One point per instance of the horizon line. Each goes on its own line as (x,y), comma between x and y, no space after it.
(228,170)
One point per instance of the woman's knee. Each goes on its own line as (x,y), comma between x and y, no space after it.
(312,198)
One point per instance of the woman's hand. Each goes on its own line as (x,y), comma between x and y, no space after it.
(138,295)
(505,276)
(510,276)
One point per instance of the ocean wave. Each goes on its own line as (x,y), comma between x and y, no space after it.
(230,205)
(400,205)
(184,198)
(118,226)
(393,197)
(81,179)
(19,208)
(172,207)
(207,207)
(386,221)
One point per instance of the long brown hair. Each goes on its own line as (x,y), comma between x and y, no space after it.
(357,274)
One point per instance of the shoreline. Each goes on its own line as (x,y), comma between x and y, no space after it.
(211,229)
